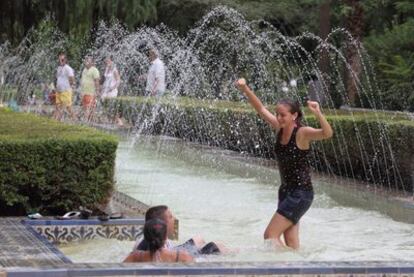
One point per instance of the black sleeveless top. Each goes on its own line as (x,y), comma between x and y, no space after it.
(293,164)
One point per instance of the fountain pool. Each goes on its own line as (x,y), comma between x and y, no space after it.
(228,197)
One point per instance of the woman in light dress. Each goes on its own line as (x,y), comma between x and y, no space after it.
(111,84)
(112,80)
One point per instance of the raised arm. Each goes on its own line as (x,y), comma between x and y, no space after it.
(322,133)
(257,104)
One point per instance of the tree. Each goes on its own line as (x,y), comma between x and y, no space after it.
(324,29)
(74,17)
(392,54)
(354,24)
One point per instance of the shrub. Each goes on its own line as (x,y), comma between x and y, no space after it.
(51,167)
(370,146)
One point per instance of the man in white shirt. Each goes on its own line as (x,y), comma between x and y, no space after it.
(156,75)
(65,81)
(315,90)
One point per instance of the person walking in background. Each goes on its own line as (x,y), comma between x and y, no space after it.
(292,153)
(155,234)
(315,90)
(156,75)
(112,79)
(89,88)
(110,85)
(65,82)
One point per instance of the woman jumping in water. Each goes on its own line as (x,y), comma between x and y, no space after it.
(292,151)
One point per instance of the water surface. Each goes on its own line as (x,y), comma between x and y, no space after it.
(226,197)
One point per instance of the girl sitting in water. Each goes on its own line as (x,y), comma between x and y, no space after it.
(292,152)
(155,233)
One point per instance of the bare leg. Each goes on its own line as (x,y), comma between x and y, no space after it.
(91,112)
(277,226)
(83,114)
(89,109)
(89,115)
(55,113)
(59,112)
(291,236)
(118,120)
(71,113)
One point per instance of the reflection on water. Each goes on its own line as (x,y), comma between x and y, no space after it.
(228,198)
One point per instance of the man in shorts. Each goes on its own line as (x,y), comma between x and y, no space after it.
(65,82)
(89,88)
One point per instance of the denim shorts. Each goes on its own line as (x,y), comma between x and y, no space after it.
(293,204)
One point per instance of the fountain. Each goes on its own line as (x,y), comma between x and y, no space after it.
(201,69)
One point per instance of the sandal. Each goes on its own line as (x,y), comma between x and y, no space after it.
(116,216)
(103,217)
(70,215)
(34,216)
(84,212)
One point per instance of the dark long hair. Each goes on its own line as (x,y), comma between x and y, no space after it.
(294,107)
(156,212)
(155,233)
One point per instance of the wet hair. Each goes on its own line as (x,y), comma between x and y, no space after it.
(155,233)
(294,107)
(156,212)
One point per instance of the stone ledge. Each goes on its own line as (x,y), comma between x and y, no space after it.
(65,231)
(222,269)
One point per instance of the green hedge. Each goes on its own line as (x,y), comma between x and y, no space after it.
(50,167)
(374,147)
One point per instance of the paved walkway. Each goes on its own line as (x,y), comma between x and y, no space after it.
(20,246)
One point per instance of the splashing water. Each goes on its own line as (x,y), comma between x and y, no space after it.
(205,62)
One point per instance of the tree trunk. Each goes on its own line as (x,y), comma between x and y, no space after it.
(324,29)
(354,24)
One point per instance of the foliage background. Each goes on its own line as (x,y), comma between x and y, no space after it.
(236,126)
(387,25)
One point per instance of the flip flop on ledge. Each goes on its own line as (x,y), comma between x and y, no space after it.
(106,217)
(34,216)
(116,216)
(103,217)
(70,215)
(84,212)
